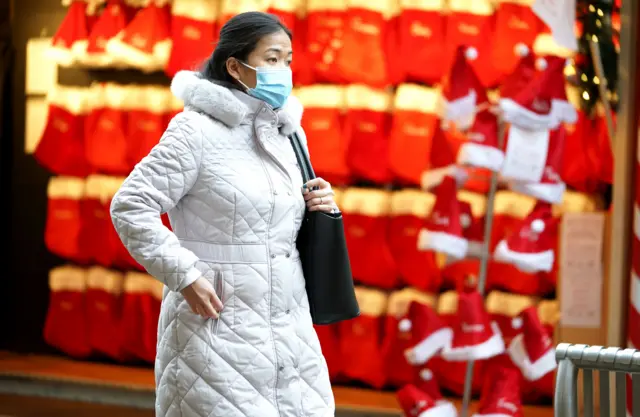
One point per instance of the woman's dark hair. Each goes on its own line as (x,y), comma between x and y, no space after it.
(238,38)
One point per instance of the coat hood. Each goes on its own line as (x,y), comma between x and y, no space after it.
(228,106)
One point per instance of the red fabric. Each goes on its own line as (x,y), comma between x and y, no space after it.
(396,368)
(422,42)
(528,240)
(426,382)
(471,312)
(139,326)
(74,27)
(515,24)
(63,228)
(368,152)
(300,66)
(93,230)
(445,216)
(360,342)
(396,71)
(113,19)
(144,130)
(501,392)
(536,340)
(602,144)
(580,171)
(458,274)
(414,402)
(417,269)
(451,375)
(325,35)
(149,26)
(192,43)
(103,314)
(330,343)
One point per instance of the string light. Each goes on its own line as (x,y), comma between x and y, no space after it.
(596,80)
(586,96)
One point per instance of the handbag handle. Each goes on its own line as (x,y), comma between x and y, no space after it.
(303,158)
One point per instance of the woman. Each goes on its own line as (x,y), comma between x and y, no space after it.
(227,175)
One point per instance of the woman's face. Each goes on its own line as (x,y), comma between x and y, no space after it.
(271,51)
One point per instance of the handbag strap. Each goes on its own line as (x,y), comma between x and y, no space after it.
(303,158)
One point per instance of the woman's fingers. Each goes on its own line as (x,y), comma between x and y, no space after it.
(321,193)
(317,183)
(322,207)
(216,303)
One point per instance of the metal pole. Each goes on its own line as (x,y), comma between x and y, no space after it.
(484,265)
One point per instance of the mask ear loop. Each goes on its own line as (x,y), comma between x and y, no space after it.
(247,89)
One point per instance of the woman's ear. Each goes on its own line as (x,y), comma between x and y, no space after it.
(233,68)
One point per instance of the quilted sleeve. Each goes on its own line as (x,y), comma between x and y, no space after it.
(155,186)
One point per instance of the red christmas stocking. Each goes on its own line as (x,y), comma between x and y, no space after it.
(397,338)
(367,223)
(104,129)
(362,56)
(442,160)
(139,315)
(330,343)
(322,124)
(95,219)
(193,31)
(418,269)
(66,326)
(422,38)
(70,39)
(114,18)
(147,121)
(516,26)
(415,120)
(326,24)
(61,147)
(230,8)
(104,290)
(360,339)
(367,127)
(145,43)
(64,218)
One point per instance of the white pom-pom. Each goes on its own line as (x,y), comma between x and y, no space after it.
(521,49)
(516,323)
(426,375)
(465,220)
(471,54)
(537,226)
(404,325)
(541,64)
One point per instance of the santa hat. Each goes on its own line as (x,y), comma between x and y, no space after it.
(475,336)
(429,333)
(70,40)
(427,383)
(561,108)
(473,230)
(481,149)
(111,22)
(529,105)
(532,350)
(443,232)
(416,403)
(531,248)
(146,41)
(521,76)
(501,393)
(551,188)
(443,160)
(463,91)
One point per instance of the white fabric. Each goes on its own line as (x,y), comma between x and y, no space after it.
(227,176)
(532,371)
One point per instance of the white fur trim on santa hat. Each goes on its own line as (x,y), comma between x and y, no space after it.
(433,177)
(75,100)
(474,249)
(549,192)
(482,156)
(493,346)
(440,409)
(454,246)
(461,111)
(361,97)
(135,58)
(524,118)
(418,98)
(429,347)
(532,371)
(564,111)
(527,262)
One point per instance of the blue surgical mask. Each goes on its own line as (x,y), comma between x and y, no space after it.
(273,85)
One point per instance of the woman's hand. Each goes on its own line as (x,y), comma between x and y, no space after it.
(319,196)
(202,298)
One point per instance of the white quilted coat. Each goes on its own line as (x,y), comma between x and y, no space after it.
(227,176)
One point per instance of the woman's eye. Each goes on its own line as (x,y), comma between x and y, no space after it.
(272,60)
(288,62)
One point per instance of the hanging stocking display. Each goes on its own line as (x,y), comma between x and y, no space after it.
(193,32)
(326,25)
(61,147)
(64,218)
(415,402)
(414,123)
(481,149)
(70,40)
(367,128)
(551,188)
(367,222)
(230,8)
(146,121)
(418,269)
(397,338)
(330,343)
(66,326)
(422,40)
(322,123)
(504,308)
(429,334)
(443,231)
(104,290)
(516,28)
(532,350)
(531,248)
(362,56)
(442,160)
(95,219)
(500,393)
(145,43)
(360,339)
(105,129)
(113,20)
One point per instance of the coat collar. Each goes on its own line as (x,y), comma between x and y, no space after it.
(230,106)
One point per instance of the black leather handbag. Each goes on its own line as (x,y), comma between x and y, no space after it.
(325,260)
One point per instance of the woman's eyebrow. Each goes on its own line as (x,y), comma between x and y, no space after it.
(277,49)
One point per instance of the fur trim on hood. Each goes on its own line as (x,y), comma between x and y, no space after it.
(222,104)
